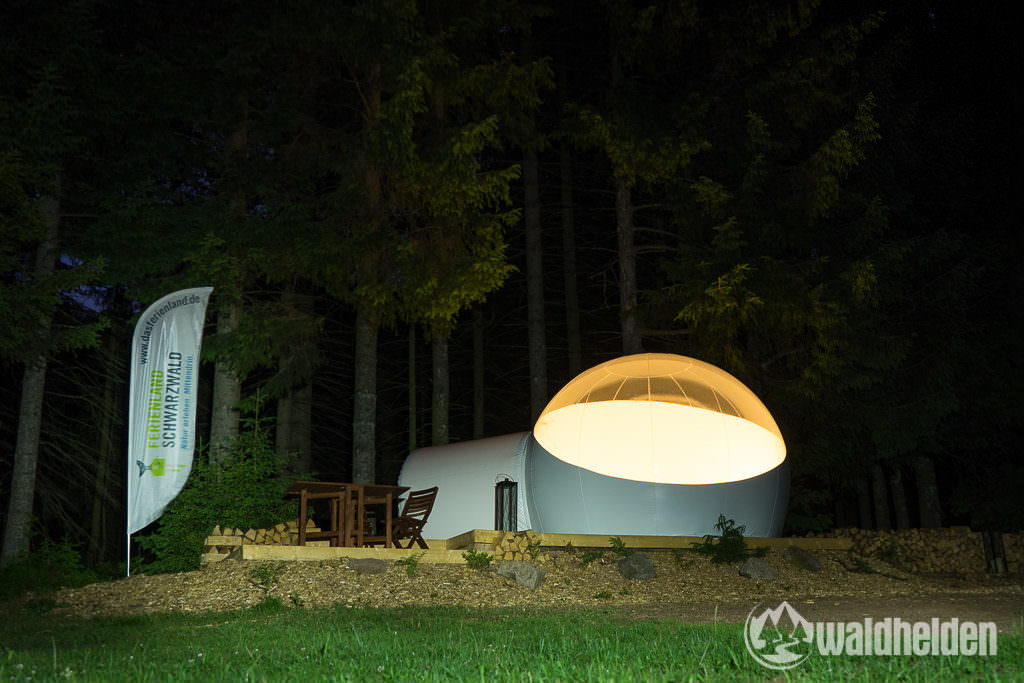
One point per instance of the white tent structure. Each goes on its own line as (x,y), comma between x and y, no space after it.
(653,444)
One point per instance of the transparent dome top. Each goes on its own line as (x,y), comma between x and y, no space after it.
(661,418)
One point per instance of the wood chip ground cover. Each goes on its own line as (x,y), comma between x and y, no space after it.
(689,587)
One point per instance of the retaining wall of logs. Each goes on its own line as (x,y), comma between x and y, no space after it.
(224,541)
(955,550)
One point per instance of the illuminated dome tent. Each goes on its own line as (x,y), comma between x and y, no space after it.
(661,418)
(651,444)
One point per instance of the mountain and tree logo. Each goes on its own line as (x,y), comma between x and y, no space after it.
(778,638)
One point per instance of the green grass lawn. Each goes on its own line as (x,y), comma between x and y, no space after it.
(275,643)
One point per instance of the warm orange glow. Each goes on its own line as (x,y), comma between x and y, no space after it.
(661,418)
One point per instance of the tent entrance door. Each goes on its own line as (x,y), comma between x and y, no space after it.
(506,503)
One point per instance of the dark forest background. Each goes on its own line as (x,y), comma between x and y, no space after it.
(422,218)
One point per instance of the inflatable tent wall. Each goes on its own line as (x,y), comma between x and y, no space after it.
(650,444)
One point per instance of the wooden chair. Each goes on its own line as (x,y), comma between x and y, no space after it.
(409,524)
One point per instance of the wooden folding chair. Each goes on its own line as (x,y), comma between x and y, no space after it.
(409,524)
(338,498)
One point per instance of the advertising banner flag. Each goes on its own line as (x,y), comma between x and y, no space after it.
(162,409)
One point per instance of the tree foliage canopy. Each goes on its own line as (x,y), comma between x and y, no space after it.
(818,191)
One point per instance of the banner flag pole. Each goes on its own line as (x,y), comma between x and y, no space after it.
(162,404)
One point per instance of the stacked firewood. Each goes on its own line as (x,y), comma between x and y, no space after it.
(932,551)
(518,545)
(223,542)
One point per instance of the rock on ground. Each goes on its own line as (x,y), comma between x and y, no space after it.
(367,565)
(801,558)
(757,568)
(637,566)
(524,573)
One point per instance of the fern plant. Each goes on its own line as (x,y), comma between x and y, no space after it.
(619,547)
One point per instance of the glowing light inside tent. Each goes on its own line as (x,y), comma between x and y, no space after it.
(661,418)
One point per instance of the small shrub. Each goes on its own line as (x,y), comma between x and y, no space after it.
(590,556)
(619,548)
(603,595)
(890,553)
(859,566)
(680,556)
(297,600)
(477,560)
(410,563)
(246,490)
(44,605)
(533,550)
(52,566)
(266,574)
(730,545)
(270,605)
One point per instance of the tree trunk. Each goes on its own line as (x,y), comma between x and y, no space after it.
(899,497)
(479,428)
(572,306)
(839,511)
(412,388)
(929,509)
(535,286)
(294,409)
(30,412)
(364,409)
(107,453)
(631,342)
(439,408)
(227,386)
(283,423)
(626,231)
(227,392)
(293,427)
(864,504)
(364,405)
(302,427)
(880,497)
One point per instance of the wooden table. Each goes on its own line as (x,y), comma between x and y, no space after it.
(349,503)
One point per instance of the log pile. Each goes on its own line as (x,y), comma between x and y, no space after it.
(225,541)
(518,545)
(956,550)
